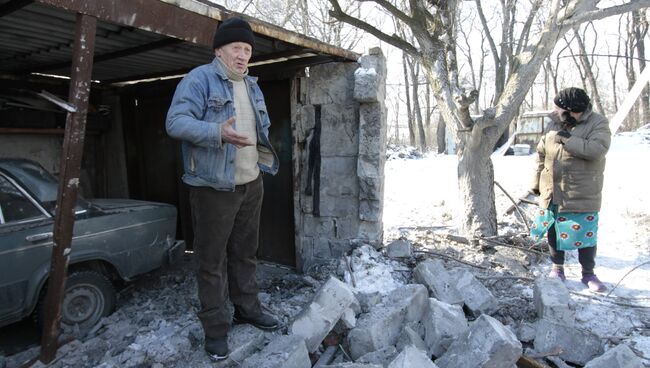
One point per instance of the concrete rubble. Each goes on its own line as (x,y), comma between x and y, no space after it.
(319,317)
(433,275)
(443,323)
(576,345)
(476,297)
(399,248)
(382,326)
(388,323)
(286,351)
(620,356)
(487,343)
(412,357)
(551,298)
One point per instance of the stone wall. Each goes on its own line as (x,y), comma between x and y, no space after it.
(339,123)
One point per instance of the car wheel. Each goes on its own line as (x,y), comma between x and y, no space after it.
(88,297)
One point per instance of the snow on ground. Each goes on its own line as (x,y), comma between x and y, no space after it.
(423,194)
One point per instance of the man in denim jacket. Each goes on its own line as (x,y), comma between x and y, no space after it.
(219,114)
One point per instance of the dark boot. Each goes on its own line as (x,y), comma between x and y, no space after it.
(261,320)
(217,348)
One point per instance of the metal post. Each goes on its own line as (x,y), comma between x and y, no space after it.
(70,167)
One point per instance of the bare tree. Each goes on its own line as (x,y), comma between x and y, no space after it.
(434,25)
(640,29)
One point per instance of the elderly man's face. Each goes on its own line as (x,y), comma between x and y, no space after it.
(235,55)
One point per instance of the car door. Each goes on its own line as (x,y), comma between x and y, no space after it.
(25,245)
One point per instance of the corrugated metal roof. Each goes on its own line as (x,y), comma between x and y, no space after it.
(135,38)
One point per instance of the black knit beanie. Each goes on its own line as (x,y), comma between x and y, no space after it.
(573,99)
(233,30)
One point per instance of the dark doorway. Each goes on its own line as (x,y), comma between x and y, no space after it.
(277,231)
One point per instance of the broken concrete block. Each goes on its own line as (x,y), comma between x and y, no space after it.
(381,357)
(368,300)
(353,365)
(412,357)
(410,337)
(487,343)
(349,318)
(477,298)
(243,341)
(577,346)
(443,323)
(399,248)
(286,351)
(382,326)
(432,274)
(619,357)
(551,299)
(369,79)
(319,317)
(526,331)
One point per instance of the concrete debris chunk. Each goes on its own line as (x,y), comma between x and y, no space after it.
(286,351)
(353,365)
(619,357)
(526,331)
(381,357)
(243,341)
(412,357)
(432,274)
(487,343)
(477,298)
(551,299)
(320,316)
(382,326)
(443,323)
(399,248)
(578,346)
(410,337)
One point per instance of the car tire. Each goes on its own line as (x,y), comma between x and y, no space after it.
(88,296)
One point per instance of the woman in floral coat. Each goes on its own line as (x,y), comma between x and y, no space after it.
(569,180)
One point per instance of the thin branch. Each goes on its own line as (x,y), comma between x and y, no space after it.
(399,14)
(523,218)
(624,276)
(339,14)
(436,254)
(578,19)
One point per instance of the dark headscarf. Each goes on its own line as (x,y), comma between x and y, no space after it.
(573,99)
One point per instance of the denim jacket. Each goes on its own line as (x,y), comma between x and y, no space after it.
(203,101)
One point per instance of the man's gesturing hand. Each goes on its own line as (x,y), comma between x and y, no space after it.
(230,135)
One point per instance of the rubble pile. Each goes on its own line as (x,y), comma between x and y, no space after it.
(402,306)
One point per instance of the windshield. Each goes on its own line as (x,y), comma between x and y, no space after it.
(40,183)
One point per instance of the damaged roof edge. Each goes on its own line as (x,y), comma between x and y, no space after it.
(181,19)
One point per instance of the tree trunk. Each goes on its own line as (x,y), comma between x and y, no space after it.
(409,111)
(476,189)
(441,136)
(415,73)
(586,64)
(640,31)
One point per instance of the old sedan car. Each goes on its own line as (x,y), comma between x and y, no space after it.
(113,240)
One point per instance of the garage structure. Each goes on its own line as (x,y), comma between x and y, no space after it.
(326,106)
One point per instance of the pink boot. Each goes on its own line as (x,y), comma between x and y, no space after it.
(594,283)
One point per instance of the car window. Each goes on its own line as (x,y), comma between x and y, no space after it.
(14,206)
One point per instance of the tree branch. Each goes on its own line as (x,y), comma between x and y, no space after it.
(399,14)
(339,14)
(596,14)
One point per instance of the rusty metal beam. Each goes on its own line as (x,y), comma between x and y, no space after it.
(73,141)
(13,6)
(149,15)
(175,20)
(279,55)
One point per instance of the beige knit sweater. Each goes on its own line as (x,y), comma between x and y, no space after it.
(246,169)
